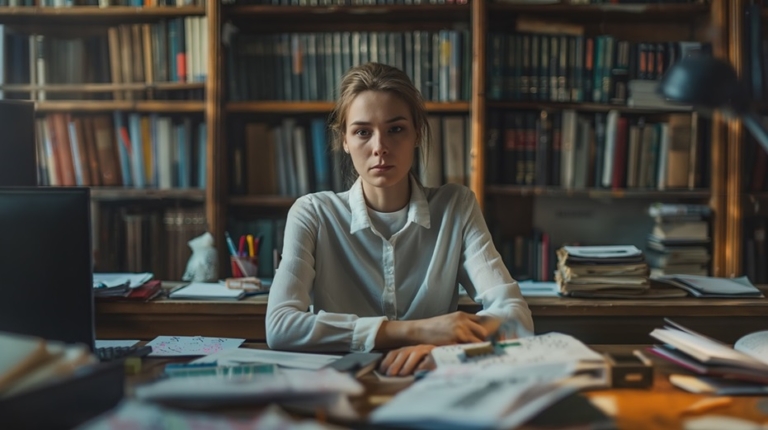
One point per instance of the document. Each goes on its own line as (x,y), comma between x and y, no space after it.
(539,289)
(111,280)
(294,360)
(171,346)
(466,397)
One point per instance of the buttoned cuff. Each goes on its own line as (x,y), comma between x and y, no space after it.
(364,334)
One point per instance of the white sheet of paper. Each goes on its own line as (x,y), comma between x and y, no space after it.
(539,289)
(170,346)
(754,344)
(295,360)
(115,343)
(545,348)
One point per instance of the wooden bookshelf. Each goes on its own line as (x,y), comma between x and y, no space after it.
(353,12)
(103,88)
(598,12)
(582,107)
(122,194)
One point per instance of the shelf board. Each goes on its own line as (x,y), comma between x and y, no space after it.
(93,14)
(513,190)
(159,106)
(582,107)
(599,12)
(119,193)
(423,12)
(282,107)
(272,201)
(102,87)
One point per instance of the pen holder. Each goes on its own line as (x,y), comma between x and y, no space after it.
(243,267)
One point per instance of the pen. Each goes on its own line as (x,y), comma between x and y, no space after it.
(241,247)
(249,238)
(708,404)
(256,243)
(230,244)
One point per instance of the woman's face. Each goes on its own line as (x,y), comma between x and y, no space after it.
(380,137)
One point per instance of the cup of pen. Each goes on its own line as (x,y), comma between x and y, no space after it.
(244,266)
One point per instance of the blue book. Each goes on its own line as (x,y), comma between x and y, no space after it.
(137,150)
(320,152)
(202,155)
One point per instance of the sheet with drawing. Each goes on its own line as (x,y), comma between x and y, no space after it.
(170,346)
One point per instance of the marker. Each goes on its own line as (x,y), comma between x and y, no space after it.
(241,247)
(249,238)
(230,244)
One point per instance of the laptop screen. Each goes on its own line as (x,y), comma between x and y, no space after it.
(46,278)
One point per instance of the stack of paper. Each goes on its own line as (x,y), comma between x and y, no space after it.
(601,271)
(206,291)
(118,284)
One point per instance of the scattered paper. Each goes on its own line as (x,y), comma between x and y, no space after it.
(115,343)
(295,360)
(170,346)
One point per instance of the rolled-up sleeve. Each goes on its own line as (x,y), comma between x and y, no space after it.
(289,323)
(483,274)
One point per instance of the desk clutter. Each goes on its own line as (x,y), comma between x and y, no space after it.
(126,286)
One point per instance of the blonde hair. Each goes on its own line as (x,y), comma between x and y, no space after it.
(378,77)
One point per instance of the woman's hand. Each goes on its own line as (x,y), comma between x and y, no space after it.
(405,361)
(456,327)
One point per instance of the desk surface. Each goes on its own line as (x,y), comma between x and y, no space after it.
(660,407)
(591,320)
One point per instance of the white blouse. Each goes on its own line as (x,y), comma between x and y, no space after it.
(354,278)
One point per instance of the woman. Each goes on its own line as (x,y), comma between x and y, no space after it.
(381,262)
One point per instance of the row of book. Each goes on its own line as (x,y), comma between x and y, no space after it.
(133,150)
(308,66)
(755,249)
(418,2)
(293,157)
(567,68)
(528,257)
(755,164)
(101,3)
(173,50)
(145,238)
(578,151)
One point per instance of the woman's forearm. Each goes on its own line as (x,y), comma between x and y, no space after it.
(396,334)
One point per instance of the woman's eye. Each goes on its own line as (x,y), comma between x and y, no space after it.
(396,129)
(361,133)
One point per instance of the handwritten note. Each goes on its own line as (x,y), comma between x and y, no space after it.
(171,346)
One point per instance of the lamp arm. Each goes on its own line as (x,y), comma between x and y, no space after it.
(755,126)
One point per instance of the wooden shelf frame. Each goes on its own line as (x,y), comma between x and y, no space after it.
(122,193)
(323,107)
(149,106)
(592,193)
(38,15)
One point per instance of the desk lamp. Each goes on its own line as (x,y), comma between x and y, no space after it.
(710,83)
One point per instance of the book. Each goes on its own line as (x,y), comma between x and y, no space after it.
(746,360)
(206,291)
(707,286)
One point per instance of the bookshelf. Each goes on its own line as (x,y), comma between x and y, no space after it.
(84,66)
(503,203)
(229,102)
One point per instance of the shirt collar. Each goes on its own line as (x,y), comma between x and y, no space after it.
(418,207)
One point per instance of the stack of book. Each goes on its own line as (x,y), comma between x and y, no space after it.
(678,244)
(126,286)
(601,271)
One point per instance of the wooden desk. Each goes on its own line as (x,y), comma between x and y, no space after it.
(591,321)
(659,407)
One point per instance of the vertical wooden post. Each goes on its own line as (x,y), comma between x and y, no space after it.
(477,102)
(216,183)
(734,144)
